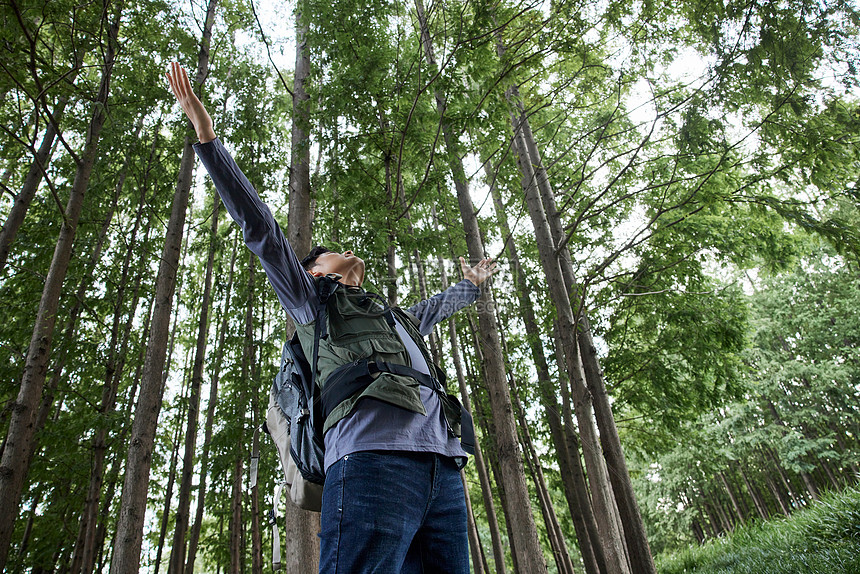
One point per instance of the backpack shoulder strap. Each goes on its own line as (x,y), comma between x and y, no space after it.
(326,286)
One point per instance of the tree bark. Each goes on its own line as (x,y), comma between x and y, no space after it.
(301,547)
(713,524)
(479,561)
(236,525)
(777,495)
(85,547)
(634,528)
(171,476)
(14,462)
(759,504)
(575,488)
(793,499)
(105,519)
(556,537)
(256,530)
(41,159)
(610,536)
(583,495)
(299,221)
(735,504)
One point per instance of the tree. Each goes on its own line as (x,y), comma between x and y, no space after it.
(21,428)
(126,556)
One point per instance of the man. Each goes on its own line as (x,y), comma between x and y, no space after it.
(393,500)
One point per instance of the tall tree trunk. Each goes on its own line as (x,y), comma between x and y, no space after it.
(194,536)
(713,523)
(129,536)
(391,249)
(480,464)
(735,504)
(256,533)
(171,474)
(696,527)
(105,519)
(575,488)
(525,537)
(236,525)
(302,547)
(174,452)
(556,537)
(299,220)
(479,561)
(831,476)
(177,551)
(634,528)
(256,529)
(771,455)
(759,504)
(14,462)
(84,556)
(489,429)
(28,529)
(777,495)
(611,537)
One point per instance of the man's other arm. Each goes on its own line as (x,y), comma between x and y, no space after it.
(442,305)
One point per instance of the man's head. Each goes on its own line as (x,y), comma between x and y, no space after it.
(322,261)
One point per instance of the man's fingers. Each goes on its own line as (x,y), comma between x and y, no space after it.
(186,83)
(181,79)
(178,80)
(173,80)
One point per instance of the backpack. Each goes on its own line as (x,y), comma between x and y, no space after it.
(294,419)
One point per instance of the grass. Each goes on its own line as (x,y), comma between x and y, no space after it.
(822,539)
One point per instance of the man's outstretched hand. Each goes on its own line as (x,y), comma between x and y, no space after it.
(480,272)
(180,85)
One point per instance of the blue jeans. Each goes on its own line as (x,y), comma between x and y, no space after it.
(393,512)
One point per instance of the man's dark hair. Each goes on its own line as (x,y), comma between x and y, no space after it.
(311,258)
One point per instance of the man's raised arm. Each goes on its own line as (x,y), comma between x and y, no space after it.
(263,236)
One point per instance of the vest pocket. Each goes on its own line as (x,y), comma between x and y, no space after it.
(355,317)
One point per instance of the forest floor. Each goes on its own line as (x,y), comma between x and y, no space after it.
(822,539)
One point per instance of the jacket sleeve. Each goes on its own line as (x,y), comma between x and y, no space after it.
(263,236)
(441,306)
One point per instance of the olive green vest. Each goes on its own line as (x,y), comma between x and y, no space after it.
(357,329)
